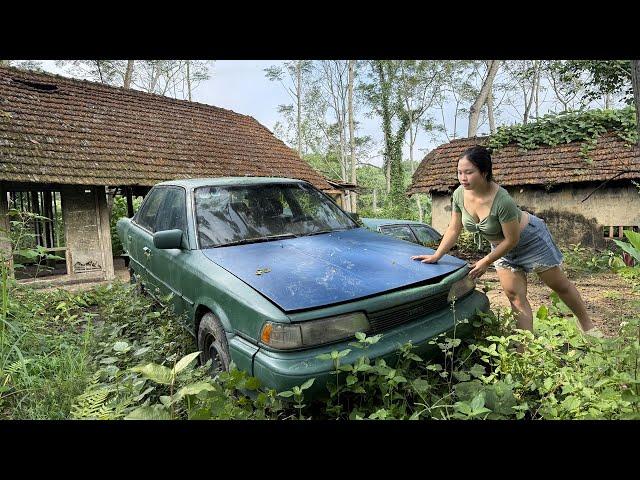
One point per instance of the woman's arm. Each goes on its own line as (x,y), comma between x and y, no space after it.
(449,239)
(511,232)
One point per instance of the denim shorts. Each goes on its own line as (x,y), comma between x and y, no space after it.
(535,252)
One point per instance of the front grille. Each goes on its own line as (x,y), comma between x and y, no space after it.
(391,317)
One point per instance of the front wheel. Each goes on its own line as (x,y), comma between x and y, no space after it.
(212,343)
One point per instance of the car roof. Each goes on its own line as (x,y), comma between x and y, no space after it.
(191,183)
(378,222)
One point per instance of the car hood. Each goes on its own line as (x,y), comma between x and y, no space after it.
(320,270)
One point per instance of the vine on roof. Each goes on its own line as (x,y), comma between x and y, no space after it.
(555,129)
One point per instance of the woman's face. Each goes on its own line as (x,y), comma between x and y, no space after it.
(469,176)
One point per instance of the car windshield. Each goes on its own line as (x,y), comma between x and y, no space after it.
(245,214)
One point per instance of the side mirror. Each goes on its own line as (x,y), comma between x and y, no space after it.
(167,239)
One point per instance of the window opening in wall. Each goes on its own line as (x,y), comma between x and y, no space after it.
(609,232)
(37,234)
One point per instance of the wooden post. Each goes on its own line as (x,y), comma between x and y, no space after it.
(5,226)
(48,225)
(104,232)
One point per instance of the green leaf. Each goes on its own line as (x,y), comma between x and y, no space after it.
(252,383)
(156,373)
(152,412)
(634,238)
(307,384)
(634,252)
(477,370)
(461,376)
(477,402)
(351,380)
(141,351)
(542,313)
(194,389)
(360,336)
(324,356)
(184,362)
(121,346)
(344,353)
(286,394)
(421,385)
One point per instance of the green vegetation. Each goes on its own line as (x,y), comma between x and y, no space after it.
(554,129)
(110,353)
(118,211)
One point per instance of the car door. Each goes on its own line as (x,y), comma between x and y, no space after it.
(142,236)
(166,265)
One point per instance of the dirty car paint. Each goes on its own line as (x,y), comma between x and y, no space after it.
(321,270)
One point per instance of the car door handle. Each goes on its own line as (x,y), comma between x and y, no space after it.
(146,251)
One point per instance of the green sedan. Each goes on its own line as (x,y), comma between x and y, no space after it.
(271,273)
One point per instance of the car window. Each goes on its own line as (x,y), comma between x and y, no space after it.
(426,236)
(230,214)
(173,213)
(147,216)
(402,232)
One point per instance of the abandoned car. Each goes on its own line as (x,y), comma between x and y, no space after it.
(272,273)
(416,232)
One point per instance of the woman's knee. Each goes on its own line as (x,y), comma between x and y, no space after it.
(515,295)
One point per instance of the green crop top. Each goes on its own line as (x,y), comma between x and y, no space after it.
(503,209)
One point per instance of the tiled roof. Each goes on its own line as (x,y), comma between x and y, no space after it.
(59,130)
(544,165)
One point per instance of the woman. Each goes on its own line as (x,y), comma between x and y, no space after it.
(520,241)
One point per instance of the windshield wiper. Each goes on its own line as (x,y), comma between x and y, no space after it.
(257,240)
(326,231)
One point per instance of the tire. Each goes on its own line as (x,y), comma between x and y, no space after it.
(212,343)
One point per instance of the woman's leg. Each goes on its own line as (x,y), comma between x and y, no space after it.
(556,279)
(514,285)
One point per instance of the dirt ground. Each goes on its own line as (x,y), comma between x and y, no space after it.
(609,297)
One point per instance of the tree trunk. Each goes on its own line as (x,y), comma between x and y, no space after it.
(492,120)
(128,75)
(529,102)
(635,80)
(474,111)
(537,77)
(299,100)
(189,78)
(352,140)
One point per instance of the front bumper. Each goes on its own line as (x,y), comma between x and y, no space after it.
(284,370)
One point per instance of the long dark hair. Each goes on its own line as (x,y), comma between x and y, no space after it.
(481,158)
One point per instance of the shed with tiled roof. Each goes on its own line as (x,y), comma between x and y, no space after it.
(551,182)
(68,140)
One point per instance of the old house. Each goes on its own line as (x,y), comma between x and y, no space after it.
(65,144)
(585,196)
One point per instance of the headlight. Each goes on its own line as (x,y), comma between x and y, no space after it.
(313,332)
(461,288)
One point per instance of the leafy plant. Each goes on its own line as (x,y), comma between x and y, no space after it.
(555,129)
